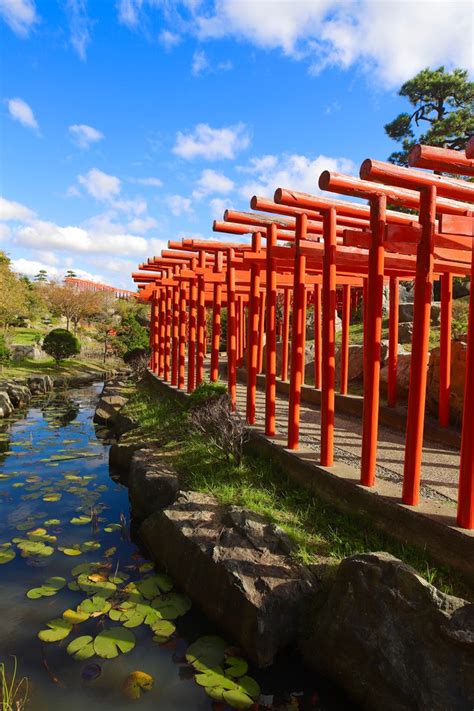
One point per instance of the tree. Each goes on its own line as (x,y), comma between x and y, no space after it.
(70,274)
(13,302)
(131,335)
(5,354)
(42,275)
(65,300)
(61,344)
(443,112)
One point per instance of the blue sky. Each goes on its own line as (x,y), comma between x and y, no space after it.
(125,124)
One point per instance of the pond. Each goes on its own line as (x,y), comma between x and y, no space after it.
(66,559)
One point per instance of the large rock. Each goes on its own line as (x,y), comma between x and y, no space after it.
(19,394)
(40,384)
(405,312)
(403,373)
(356,362)
(20,352)
(6,407)
(405,332)
(152,483)
(107,409)
(458,375)
(236,567)
(392,640)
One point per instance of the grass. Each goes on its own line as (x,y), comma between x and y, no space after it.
(24,336)
(315,528)
(71,367)
(14,693)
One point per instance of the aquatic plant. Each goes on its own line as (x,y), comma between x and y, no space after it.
(135,683)
(14,692)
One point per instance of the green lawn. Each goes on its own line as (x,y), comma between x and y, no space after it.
(71,367)
(24,336)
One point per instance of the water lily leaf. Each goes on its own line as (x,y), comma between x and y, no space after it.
(48,589)
(80,520)
(152,585)
(81,648)
(110,552)
(52,497)
(118,578)
(33,548)
(108,643)
(94,606)
(237,699)
(90,546)
(41,535)
(135,683)
(236,666)
(112,527)
(75,617)
(73,586)
(6,553)
(249,686)
(70,551)
(58,629)
(211,677)
(163,629)
(206,652)
(172,605)
(145,567)
(84,568)
(103,588)
(52,522)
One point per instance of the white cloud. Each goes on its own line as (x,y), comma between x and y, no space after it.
(179,205)
(149,182)
(5,232)
(131,207)
(31,267)
(169,39)
(200,62)
(289,171)
(79,25)
(21,111)
(20,15)
(83,135)
(212,182)
(391,39)
(128,12)
(100,185)
(211,143)
(218,207)
(10,210)
(141,224)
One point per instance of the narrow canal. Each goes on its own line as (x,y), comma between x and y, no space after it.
(70,574)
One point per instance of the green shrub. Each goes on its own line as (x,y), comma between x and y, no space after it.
(131,335)
(61,344)
(5,353)
(204,393)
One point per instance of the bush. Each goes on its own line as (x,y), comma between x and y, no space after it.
(5,353)
(61,344)
(131,335)
(137,359)
(211,415)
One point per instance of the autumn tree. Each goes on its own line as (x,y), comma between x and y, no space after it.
(442,112)
(71,303)
(13,301)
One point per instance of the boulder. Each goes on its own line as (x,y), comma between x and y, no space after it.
(392,640)
(40,384)
(405,292)
(405,312)
(458,375)
(461,287)
(108,408)
(356,362)
(405,332)
(236,568)
(19,394)
(6,407)
(403,373)
(20,352)
(152,483)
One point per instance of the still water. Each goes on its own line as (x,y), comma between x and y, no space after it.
(60,509)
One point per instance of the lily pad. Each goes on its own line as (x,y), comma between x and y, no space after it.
(108,643)
(172,605)
(90,546)
(75,617)
(153,585)
(112,527)
(80,520)
(52,497)
(70,551)
(81,648)
(236,666)
(206,652)
(52,522)
(7,553)
(48,589)
(33,548)
(94,606)
(102,588)
(135,683)
(237,699)
(58,629)
(84,568)
(163,629)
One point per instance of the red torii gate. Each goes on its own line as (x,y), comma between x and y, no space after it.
(327,242)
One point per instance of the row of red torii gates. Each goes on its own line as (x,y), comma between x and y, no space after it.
(94,286)
(304,249)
